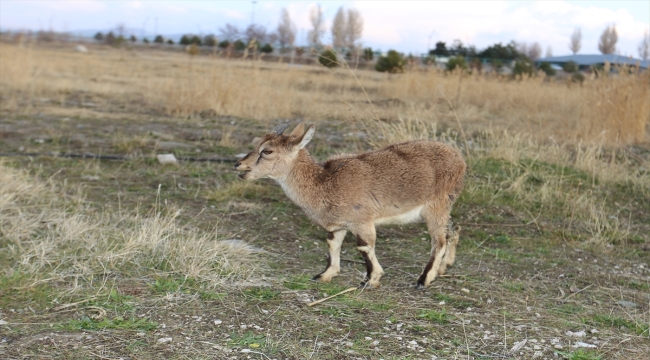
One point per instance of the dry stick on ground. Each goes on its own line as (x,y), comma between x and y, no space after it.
(329,297)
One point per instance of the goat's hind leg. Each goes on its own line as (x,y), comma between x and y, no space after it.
(366,246)
(436,218)
(453,232)
(334,240)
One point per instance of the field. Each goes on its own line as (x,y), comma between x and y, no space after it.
(131,259)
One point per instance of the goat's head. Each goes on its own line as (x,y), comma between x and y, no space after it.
(273,156)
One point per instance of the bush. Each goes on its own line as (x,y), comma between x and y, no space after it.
(133,39)
(392,63)
(570,67)
(368,55)
(193,49)
(170,42)
(145,40)
(456,62)
(99,36)
(239,45)
(210,40)
(328,59)
(224,44)
(578,77)
(195,40)
(159,39)
(267,49)
(185,40)
(497,65)
(547,69)
(523,66)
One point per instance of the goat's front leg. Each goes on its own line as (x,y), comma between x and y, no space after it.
(366,246)
(334,240)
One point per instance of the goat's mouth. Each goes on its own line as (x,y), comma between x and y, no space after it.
(243,174)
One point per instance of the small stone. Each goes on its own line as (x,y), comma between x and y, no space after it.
(580,344)
(466,291)
(165,159)
(576,334)
(594,331)
(537,347)
(558,346)
(2,322)
(164,340)
(627,304)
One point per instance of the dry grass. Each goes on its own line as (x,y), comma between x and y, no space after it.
(613,110)
(53,236)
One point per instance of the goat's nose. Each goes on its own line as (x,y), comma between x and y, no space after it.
(237,164)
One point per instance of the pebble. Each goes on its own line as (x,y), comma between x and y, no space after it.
(164,340)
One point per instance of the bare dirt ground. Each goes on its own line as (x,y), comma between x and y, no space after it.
(520,288)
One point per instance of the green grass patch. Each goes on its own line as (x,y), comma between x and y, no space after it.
(302,282)
(440,317)
(581,354)
(513,286)
(132,323)
(262,293)
(249,339)
(639,328)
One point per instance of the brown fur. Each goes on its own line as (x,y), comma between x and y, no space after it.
(401,183)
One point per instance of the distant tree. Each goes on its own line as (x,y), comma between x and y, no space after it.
(195,40)
(286,30)
(534,51)
(644,47)
(185,40)
(229,33)
(257,32)
(498,51)
(440,50)
(392,63)
(159,39)
(339,25)
(99,36)
(224,44)
(210,40)
(170,41)
(133,38)
(353,28)
(497,65)
(267,49)
(570,67)
(368,55)
(457,62)
(328,58)
(549,52)
(109,38)
(145,40)
(239,45)
(576,41)
(457,48)
(317,26)
(608,39)
(547,69)
(523,66)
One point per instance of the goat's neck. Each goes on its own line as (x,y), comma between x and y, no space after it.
(302,182)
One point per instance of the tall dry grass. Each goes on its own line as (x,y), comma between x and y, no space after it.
(610,109)
(52,236)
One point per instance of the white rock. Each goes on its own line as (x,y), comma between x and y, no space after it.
(594,331)
(580,344)
(2,322)
(164,340)
(81,49)
(576,334)
(518,346)
(464,290)
(165,159)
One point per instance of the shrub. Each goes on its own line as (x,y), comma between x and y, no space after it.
(159,39)
(267,49)
(578,77)
(328,59)
(133,39)
(497,65)
(99,36)
(368,55)
(523,66)
(170,42)
(185,40)
(570,67)
(239,45)
(547,69)
(145,40)
(210,40)
(392,63)
(476,64)
(195,40)
(193,49)
(456,62)
(224,44)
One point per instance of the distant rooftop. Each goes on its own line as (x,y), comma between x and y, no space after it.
(586,60)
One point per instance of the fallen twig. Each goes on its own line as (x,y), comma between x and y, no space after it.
(329,297)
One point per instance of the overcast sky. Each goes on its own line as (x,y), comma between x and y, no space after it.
(404,26)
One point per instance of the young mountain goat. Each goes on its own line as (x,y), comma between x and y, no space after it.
(398,184)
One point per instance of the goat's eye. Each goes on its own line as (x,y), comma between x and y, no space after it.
(267,152)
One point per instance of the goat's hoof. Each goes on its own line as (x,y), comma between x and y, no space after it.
(316,277)
(420,286)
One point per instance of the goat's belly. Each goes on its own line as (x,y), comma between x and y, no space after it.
(403,218)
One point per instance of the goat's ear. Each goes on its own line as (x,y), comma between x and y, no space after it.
(302,140)
(298,130)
